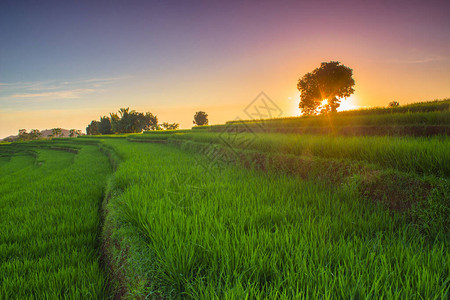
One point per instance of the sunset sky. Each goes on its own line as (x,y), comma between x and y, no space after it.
(65,63)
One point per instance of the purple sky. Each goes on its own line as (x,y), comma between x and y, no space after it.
(64,63)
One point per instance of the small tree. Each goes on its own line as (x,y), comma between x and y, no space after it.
(23,135)
(56,132)
(330,82)
(170,126)
(200,118)
(394,104)
(35,134)
(74,132)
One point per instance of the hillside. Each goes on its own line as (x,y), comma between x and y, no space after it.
(227,215)
(46,133)
(418,119)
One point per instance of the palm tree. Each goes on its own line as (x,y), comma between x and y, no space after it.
(56,132)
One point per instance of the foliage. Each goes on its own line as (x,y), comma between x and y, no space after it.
(92,128)
(132,121)
(115,122)
(125,121)
(170,126)
(394,104)
(330,82)
(35,134)
(56,132)
(200,118)
(23,134)
(152,121)
(104,126)
(74,132)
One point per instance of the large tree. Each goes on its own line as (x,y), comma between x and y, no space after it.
(104,126)
(92,129)
(127,121)
(324,87)
(151,122)
(115,122)
(200,118)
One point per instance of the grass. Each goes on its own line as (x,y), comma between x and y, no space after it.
(341,119)
(169,131)
(417,155)
(406,114)
(50,222)
(292,217)
(419,119)
(229,233)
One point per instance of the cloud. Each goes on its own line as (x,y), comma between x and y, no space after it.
(99,80)
(68,94)
(421,60)
(40,91)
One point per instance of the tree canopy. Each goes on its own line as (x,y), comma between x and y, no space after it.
(394,104)
(25,136)
(127,121)
(330,82)
(56,132)
(92,128)
(170,126)
(74,132)
(200,118)
(104,126)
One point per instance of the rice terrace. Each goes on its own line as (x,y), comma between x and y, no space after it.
(239,200)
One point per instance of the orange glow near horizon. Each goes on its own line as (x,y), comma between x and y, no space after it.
(348,104)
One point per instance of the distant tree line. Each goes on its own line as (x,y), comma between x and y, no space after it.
(35,134)
(126,121)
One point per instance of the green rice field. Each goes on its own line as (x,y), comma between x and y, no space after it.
(233,233)
(223,214)
(49,223)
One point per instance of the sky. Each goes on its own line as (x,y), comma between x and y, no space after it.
(65,63)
